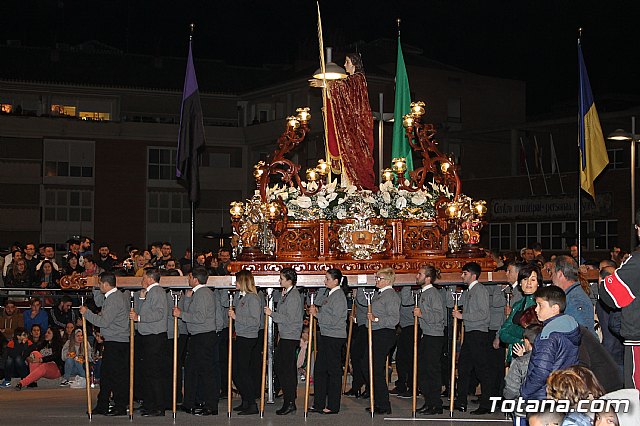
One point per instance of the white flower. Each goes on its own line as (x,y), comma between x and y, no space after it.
(386,186)
(418,199)
(303,184)
(304,202)
(369,199)
(384,213)
(332,186)
(342,200)
(401,203)
(312,186)
(402,192)
(351,189)
(332,196)
(322,202)
(292,189)
(341,214)
(386,197)
(284,196)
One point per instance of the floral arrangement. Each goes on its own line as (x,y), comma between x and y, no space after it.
(333,201)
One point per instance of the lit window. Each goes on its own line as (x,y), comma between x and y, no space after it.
(95,116)
(66,110)
(6,108)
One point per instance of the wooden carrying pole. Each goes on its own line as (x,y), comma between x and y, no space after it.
(308,371)
(370,335)
(131,361)
(230,357)
(264,363)
(414,388)
(452,383)
(85,343)
(346,363)
(175,360)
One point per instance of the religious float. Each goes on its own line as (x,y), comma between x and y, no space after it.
(313,224)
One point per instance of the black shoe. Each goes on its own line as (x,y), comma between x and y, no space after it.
(116,411)
(287,409)
(205,411)
(395,391)
(99,410)
(433,411)
(480,411)
(405,395)
(18,386)
(253,409)
(188,410)
(353,392)
(152,413)
(365,394)
(313,409)
(423,407)
(383,410)
(460,407)
(241,407)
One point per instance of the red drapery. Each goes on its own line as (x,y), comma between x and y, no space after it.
(350,130)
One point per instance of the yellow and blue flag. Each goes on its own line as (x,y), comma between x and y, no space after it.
(593,151)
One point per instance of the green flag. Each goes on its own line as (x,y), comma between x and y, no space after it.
(400,146)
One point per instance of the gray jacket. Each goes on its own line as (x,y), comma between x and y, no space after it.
(476,314)
(516,294)
(113,320)
(221,297)
(433,310)
(361,307)
(199,311)
(153,311)
(386,307)
(497,303)
(406,307)
(516,375)
(248,309)
(289,315)
(332,315)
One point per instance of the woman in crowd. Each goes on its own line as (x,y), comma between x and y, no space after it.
(74,357)
(327,371)
(19,275)
(47,275)
(45,360)
(91,269)
(246,314)
(289,320)
(73,265)
(15,354)
(35,334)
(511,330)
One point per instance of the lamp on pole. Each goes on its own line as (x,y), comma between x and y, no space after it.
(621,135)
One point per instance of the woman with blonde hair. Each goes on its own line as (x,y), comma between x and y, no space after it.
(247,314)
(384,316)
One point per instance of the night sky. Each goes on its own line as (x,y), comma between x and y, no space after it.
(534,41)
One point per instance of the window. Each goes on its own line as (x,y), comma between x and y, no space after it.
(616,158)
(162,164)
(606,234)
(500,236)
(6,108)
(454,112)
(68,206)
(95,116)
(221,157)
(526,233)
(552,235)
(168,207)
(66,110)
(68,159)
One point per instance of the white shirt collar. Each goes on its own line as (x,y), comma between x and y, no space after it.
(152,286)
(380,290)
(473,284)
(198,287)
(514,285)
(426,287)
(110,292)
(333,290)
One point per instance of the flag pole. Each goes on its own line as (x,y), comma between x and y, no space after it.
(193,205)
(580,154)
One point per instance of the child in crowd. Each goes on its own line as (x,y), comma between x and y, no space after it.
(556,347)
(16,352)
(574,384)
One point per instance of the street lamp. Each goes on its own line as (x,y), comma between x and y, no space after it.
(621,135)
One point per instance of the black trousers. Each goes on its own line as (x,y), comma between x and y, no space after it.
(244,374)
(383,341)
(496,365)
(182,353)
(327,373)
(223,351)
(474,356)
(201,383)
(360,357)
(404,359)
(430,369)
(114,375)
(154,370)
(286,368)
(631,366)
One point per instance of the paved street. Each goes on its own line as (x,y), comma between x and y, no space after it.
(57,406)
